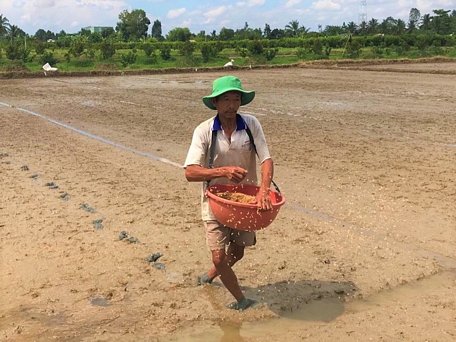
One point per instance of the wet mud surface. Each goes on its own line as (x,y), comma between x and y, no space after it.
(101,234)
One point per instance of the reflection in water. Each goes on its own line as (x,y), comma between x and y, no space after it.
(231,332)
(325,310)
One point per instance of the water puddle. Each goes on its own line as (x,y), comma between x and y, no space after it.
(321,311)
(100,301)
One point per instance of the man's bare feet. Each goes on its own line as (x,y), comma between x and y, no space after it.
(242,305)
(203,280)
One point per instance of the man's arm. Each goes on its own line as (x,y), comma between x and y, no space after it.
(267,172)
(197,173)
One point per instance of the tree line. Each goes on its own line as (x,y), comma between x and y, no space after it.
(134,30)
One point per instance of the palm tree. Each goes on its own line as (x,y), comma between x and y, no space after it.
(293,28)
(426,22)
(351,27)
(372,26)
(4,25)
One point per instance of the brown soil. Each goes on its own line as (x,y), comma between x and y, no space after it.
(362,250)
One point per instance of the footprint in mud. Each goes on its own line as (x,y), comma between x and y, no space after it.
(123,235)
(51,185)
(152,260)
(64,196)
(98,224)
(86,207)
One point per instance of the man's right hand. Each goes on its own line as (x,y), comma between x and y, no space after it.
(234,173)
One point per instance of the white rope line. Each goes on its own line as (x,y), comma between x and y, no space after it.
(96,137)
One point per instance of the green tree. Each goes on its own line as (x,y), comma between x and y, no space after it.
(4,25)
(400,26)
(331,30)
(426,22)
(389,26)
(441,22)
(267,31)
(133,25)
(277,34)
(362,28)
(292,28)
(179,34)
(15,32)
(41,35)
(351,27)
(226,34)
(157,30)
(372,26)
(414,19)
(107,32)
(95,37)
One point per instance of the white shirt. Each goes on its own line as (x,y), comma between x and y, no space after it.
(238,152)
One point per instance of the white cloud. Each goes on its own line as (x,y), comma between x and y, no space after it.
(43,3)
(214,13)
(68,15)
(326,5)
(250,3)
(172,14)
(291,3)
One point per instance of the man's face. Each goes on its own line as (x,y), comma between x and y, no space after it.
(228,104)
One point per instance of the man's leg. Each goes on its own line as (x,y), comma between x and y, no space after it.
(234,254)
(227,276)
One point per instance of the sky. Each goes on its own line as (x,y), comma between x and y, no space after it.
(72,15)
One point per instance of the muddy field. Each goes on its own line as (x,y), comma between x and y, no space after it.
(364,248)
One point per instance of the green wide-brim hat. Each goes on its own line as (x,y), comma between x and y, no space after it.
(228,83)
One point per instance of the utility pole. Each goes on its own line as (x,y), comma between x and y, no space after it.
(362,12)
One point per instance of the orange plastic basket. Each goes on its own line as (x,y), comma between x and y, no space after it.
(242,216)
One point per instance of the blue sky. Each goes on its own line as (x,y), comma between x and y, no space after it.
(71,15)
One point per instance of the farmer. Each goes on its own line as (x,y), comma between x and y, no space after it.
(234,161)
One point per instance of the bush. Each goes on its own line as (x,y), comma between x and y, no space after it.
(269,54)
(255,48)
(48,57)
(127,59)
(186,49)
(165,52)
(353,49)
(90,53)
(209,51)
(301,53)
(16,51)
(148,49)
(152,59)
(40,48)
(77,47)
(317,47)
(107,49)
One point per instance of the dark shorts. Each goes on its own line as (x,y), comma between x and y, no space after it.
(219,236)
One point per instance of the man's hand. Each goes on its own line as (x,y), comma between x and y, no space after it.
(263,200)
(234,173)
